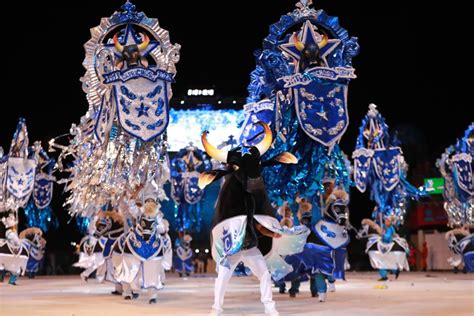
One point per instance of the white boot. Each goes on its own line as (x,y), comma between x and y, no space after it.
(322,297)
(270,309)
(215,312)
(332,286)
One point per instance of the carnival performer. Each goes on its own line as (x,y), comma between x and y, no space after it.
(243,212)
(456,166)
(184,255)
(33,239)
(316,262)
(387,251)
(461,243)
(144,249)
(17,178)
(13,254)
(306,110)
(380,166)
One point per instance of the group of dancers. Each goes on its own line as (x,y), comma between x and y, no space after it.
(287,158)
(130,247)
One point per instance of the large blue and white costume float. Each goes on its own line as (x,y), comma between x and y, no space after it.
(299,88)
(456,166)
(119,148)
(18,170)
(379,166)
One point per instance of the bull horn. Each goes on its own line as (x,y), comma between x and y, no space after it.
(267,140)
(117,44)
(298,44)
(145,41)
(217,154)
(323,42)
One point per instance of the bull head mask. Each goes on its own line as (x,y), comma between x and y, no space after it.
(310,53)
(244,159)
(131,54)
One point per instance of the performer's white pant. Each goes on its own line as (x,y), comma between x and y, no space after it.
(253,259)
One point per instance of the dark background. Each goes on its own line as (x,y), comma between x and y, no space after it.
(410,65)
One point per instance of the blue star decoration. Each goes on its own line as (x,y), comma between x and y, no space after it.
(142,110)
(129,36)
(244,151)
(310,36)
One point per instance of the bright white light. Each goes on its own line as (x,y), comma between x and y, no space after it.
(206,250)
(73,243)
(219,102)
(205,92)
(234,102)
(182,102)
(220,123)
(196,251)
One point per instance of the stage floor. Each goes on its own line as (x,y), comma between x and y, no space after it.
(413,293)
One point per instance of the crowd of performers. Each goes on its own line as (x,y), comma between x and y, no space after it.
(282,212)
(26,183)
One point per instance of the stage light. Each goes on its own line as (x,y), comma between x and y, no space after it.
(73,244)
(197,250)
(205,92)
(206,250)
(182,102)
(234,102)
(219,102)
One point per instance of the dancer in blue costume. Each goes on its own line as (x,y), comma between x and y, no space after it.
(183,258)
(317,261)
(380,166)
(33,239)
(456,166)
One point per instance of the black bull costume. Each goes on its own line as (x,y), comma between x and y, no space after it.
(244,218)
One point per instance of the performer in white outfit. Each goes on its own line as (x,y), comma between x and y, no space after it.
(145,249)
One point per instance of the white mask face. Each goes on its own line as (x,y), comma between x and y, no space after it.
(9,221)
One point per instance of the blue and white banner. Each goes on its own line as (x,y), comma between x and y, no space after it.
(463,167)
(254,112)
(21,177)
(387,166)
(142,106)
(153,75)
(362,160)
(43,191)
(192,193)
(310,75)
(322,110)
